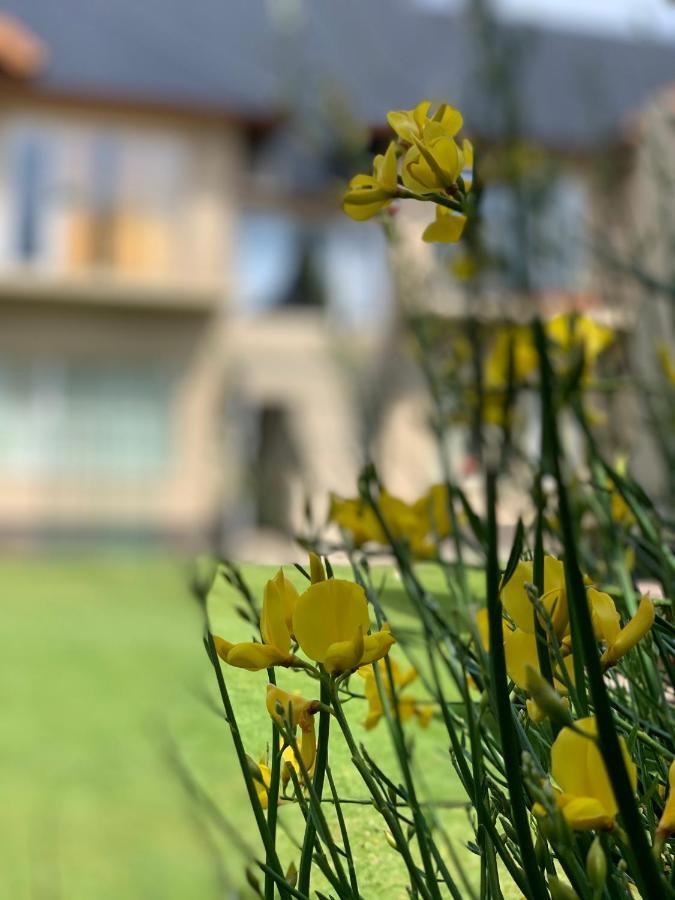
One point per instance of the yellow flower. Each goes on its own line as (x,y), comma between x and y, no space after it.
(410,123)
(571,332)
(432,511)
(407,706)
(331,625)
(620,510)
(585,796)
(289,762)
(667,820)
(291,711)
(368,194)
(447,227)
(400,517)
(666,361)
(434,162)
(403,521)
(554,600)
(630,634)
(276,620)
(604,616)
(516,340)
(465,266)
(520,651)
(275,625)
(262,777)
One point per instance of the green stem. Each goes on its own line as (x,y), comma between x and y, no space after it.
(305,870)
(510,744)
(646,873)
(270,850)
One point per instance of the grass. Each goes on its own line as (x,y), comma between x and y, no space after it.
(103,673)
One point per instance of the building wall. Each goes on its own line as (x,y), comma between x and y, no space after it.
(111,364)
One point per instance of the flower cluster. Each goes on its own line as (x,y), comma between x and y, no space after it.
(520,641)
(329,622)
(406,707)
(433,167)
(416,524)
(583,790)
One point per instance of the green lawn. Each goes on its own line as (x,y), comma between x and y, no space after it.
(103,672)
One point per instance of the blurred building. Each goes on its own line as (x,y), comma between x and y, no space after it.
(183,308)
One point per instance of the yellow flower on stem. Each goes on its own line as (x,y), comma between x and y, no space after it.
(666,361)
(518,605)
(432,511)
(605,618)
(331,625)
(404,522)
(262,777)
(447,227)
(520,650)
(368,194)
(407,706)
(516,340)
(410,123)
(667,820)
(585,793)
(279,601)
(571,332)
(630,634)
(291,711)
(434,162)
(290,762)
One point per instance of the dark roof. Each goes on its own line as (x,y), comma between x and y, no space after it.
(233,55)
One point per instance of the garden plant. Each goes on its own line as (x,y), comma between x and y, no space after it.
(551,674)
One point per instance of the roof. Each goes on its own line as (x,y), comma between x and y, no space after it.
(256,58)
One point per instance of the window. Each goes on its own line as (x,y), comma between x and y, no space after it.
(30,165)
(283,262)
(87,196)
(81,419)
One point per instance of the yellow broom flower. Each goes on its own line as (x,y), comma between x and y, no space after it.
(331,623)
(279,601)
(410,123)
(585,793)
(291,711)
(667,820)
(368,194)
(630,634)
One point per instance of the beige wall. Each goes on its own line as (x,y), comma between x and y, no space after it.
(169,317)
(182,500)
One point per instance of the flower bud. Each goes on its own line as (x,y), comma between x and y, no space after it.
(316,569)
(389,837)
(561,891)
(292,875)
(596,866)
(254,769)
(548,700)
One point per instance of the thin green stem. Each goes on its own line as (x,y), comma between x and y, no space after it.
(305,869)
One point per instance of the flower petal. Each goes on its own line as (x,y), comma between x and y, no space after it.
(631,633)
(447,229)
(273,620)
(329,612)
(586,814)
(345,655)
(376,646)
(604,615)
(254,657)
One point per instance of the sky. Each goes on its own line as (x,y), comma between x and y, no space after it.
(651,17)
